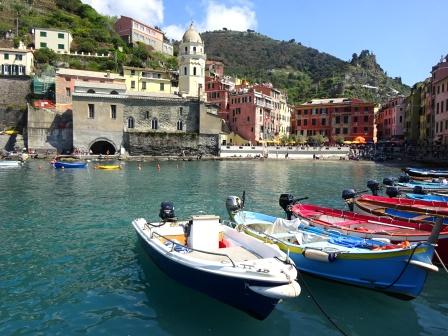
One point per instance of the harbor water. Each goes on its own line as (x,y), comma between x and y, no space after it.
(71,263)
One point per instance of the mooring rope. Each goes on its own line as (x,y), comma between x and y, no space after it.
(327,316)
(441,261)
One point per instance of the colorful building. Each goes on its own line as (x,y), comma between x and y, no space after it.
(65,83)
(440,101)
(391,120)
(133,31)
(426,119)
(412,107)
(258,113)
(16,62)
(55,39)
(147,80)
(334,118)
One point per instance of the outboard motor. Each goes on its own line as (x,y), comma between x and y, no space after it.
(389,181)
(419,190)
(233,204)
(286,201)
(392,191)
(404,178)
(348,196)
(167,212)
(374,187)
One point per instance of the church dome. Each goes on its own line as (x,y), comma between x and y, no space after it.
(191,35)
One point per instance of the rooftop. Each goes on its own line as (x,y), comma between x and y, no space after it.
(14,50)
(111,86)
(53,29)
(85,73)
(143,69)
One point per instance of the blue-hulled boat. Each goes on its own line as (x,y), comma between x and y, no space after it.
(410,186)
(427,197)
(426,173)
(63,164)
(397,269)
(219,261)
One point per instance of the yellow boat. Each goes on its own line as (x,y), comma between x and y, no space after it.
(108,167)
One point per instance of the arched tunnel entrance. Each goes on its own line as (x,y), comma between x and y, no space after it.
(102,147)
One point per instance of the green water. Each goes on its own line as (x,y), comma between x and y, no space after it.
(71,265)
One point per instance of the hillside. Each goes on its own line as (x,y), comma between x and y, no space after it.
(92,32)
(304,72)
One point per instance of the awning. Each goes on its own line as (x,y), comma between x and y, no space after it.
(360,139)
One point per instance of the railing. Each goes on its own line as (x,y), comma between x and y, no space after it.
(174,243)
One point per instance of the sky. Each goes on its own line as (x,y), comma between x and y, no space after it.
(408,37)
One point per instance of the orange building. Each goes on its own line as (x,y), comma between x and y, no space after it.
(351,119)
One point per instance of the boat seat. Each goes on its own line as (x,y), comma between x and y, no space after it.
(348,222)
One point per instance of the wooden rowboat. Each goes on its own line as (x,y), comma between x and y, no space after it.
(403,208)
(108,167)
(370,263)
(368,226)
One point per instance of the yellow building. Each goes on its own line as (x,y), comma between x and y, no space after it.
(285,116)
(16,62)
(57,40)
(147,80)
(233,139)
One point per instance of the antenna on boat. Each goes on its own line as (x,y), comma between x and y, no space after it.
(243,199)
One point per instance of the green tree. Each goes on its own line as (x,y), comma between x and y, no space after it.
(339,139)
(45,55)
(301,139)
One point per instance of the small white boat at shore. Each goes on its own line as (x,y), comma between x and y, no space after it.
(10,163)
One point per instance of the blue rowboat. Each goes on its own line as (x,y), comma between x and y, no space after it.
(426,173)
(397,269)
(426,186)
(221,262)
(62,164)
(427,197)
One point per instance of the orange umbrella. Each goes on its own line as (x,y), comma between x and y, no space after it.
(360,139)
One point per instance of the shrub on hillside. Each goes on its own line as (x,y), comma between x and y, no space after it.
(45,55)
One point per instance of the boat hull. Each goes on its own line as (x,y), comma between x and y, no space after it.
(10,164)
(388,271)
(374,272)
(427,173)
(59,165)
(427,197)
(427,186)
(378,227)
(229,290)
(108,167)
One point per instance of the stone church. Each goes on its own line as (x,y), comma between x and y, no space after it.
(110,118)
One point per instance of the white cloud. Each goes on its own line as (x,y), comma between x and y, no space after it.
(147,11)
(237,17)
(174,32)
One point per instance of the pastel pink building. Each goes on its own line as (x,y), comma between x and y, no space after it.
(254,112)
(390,121)
(133,31)
(440,101)
(65,83)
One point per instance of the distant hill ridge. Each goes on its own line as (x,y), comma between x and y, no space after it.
(304,72)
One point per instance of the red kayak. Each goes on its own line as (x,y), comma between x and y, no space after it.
(367,226)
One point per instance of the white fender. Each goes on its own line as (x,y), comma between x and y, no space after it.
(288,291)
(421,264)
